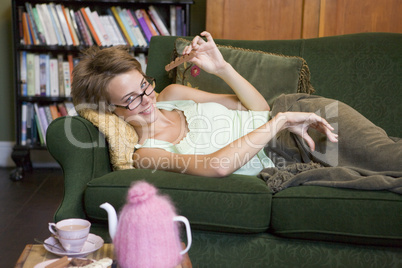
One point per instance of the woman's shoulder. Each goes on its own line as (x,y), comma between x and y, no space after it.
(172,92)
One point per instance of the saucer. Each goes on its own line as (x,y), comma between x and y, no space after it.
(92,244)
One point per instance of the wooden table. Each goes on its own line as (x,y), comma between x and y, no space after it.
(34,254)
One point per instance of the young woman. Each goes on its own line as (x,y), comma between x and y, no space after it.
(184,129)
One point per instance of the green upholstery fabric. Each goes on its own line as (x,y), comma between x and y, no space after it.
(345,215)
(83,155)
(271,74)
(265,250)
(209,204)
(362,70)
(236,221)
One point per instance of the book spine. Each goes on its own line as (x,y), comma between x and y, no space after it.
(158,20)
(30,74)
(60,74)
(87,19)
(37,75)
(149,23)
(54,81)
(34,27)
(23,73)
(24,115)
(67,78)
(41,30)
(44,16)
(138,33)
(173,20)
(128,25)
(63,24)
(42,74)
(122,27)
(56,24)
(143,24)
(71,29)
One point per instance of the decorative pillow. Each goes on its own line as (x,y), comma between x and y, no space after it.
(271,74)
(120,135)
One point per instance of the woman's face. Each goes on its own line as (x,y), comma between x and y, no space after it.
(123,89)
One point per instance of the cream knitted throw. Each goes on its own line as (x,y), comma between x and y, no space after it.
(120,135)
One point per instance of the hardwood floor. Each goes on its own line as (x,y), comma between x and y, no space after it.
(26,208)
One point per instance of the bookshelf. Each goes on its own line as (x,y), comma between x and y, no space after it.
(47,39)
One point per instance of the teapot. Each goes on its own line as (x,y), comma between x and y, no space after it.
(146,233)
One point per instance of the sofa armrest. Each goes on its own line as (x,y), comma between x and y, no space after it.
(82,152)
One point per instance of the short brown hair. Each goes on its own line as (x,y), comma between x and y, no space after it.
(97,66)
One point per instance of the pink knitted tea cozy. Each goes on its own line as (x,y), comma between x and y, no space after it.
(146,235)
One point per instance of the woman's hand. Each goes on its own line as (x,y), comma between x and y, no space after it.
(299,123)
(207,57)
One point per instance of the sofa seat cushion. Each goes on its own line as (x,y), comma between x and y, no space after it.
(334,214)
(236,203)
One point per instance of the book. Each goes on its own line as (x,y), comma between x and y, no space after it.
(102,32)
(75,26)
(70,108)
(23,73)
(38,36)
(107,24)
(86,14)
(173,20)
(56,24)
(62,109)
(71,62)
(157,19)
(43,61)
(63,24)
(143,24)
(40,123)
(41,30)
(24,115)
(48,115)
(66,79)
(31,127)
(54,111)
(83,29)
(179,18)
(128,25)
(39,129)
(33,39)
(54,78)
(149,23)
(60,59)
(137,31)
(117,17)
(37,75)
(71,29)
(30,74)
(44,17)
(25,27)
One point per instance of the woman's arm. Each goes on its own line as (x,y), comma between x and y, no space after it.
(209,58)
(233,156)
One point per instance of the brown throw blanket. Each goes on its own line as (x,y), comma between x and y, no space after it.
(364,158)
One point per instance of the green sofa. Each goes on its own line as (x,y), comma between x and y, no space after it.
(236,221)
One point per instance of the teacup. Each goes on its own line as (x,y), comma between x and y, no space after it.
(72,233)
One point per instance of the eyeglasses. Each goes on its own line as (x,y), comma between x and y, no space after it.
(148,85)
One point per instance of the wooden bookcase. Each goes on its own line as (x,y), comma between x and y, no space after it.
(67,51)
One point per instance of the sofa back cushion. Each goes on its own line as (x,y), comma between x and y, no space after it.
(361,70)
(272,74)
